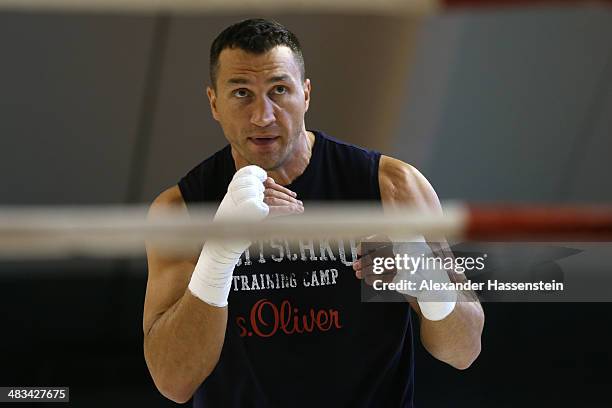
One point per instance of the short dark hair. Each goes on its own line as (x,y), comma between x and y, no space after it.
(256,36)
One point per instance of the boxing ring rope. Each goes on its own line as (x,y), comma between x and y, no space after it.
(388,7)
(34,232)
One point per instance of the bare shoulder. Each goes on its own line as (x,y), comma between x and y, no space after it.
(169,197)
(403,185)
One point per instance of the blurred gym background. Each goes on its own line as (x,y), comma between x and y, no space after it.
(492,101)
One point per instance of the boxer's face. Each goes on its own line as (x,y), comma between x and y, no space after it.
(260,102)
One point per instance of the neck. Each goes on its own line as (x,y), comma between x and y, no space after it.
(295,164)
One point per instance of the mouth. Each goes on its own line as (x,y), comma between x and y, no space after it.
(263,140)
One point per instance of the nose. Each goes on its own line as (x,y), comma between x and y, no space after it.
(263,112)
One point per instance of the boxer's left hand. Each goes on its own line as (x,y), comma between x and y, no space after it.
(281,200)
(434,305)
(377,246)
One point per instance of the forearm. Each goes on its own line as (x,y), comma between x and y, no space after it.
(456,338)
(183,346)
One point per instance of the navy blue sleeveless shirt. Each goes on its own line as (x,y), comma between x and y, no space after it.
(298,334)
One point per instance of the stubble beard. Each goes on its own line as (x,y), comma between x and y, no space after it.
(285,153)
(267,162)
(279,158)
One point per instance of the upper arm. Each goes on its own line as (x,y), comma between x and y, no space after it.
(401,185)
(168,275)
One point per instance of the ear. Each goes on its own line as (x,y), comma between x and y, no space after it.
(307,92)
(212,100)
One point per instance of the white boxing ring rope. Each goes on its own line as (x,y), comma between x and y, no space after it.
(118,231)
(121,231)
(383,7)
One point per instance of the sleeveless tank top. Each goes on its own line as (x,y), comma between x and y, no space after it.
(298,334)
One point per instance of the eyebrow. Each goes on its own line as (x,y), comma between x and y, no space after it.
(242,81)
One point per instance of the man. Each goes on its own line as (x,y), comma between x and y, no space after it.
(234,326)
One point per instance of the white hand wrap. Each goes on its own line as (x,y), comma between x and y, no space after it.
(435,305)
(212,277)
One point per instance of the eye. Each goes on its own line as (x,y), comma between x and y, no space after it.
(280,89)
(241,93)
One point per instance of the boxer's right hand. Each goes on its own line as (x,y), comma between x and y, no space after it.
(245,196)
(251,196)
(212,277)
